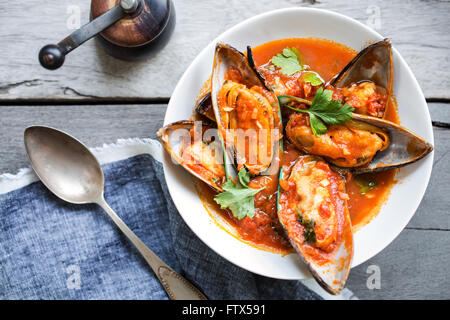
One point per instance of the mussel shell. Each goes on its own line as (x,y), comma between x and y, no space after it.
(205,108)
(204,105)
(170,137)
(331,276)
(225,57)
(405,146)
(374,63)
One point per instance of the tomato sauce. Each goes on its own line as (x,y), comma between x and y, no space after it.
(264,231)
(329,223)
(325,57)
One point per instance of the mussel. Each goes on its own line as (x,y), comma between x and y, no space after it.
(196,147)
(204,107)
(403,148)
(344,145)
(363,144)
(246,111)
(312,208)
(366,81)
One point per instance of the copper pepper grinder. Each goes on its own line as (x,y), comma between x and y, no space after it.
(125,29)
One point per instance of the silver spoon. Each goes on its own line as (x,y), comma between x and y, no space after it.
(70,171)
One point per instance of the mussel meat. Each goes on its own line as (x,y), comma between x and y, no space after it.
(196,147)
(312,208)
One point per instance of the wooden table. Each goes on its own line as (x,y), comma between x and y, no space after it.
(100,99)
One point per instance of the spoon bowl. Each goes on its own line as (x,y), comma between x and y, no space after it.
(64,165)
(68,169)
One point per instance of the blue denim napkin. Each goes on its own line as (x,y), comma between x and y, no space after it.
(50,249)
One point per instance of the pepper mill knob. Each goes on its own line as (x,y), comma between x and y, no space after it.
(129,6)
(51,56)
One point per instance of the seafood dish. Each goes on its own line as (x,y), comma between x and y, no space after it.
(296,142)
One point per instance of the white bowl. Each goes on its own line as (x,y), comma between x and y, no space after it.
(287,23)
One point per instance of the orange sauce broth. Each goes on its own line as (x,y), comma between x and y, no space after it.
(327,58)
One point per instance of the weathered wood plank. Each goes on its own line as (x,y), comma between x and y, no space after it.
(439,112)
(92,124)
(413,266)
(419,30)
(434,210)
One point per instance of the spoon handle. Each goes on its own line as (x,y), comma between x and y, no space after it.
(177,287)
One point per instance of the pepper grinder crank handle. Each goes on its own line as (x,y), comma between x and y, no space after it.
(52,56)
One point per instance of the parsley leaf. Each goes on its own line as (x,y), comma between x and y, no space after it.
(238,198)
(297,53)
(312,78)
(317,126)
(288,61)
(323,110)
(244,177)
(308,233)
(330,111)
(321,98)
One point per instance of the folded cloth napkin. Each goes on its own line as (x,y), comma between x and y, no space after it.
(50,249)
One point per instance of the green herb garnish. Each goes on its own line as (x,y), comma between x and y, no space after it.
(313,78)
(365,184)
(238,198)
(324,110)
(289,61)
(308,233)
(244,177)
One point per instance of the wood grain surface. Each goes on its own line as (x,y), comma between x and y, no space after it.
(419,30)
